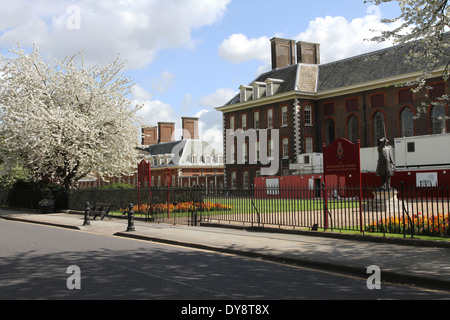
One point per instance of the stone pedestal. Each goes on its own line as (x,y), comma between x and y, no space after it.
(384,201)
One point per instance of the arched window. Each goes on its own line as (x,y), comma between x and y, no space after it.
(438,121)
(353,129)
(407,122)
(378,126)
(329,132)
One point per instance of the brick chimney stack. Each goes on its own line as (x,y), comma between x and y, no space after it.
(149,136)
(283,52)
(287,52)
(190,128)
(308,52)
(165,131)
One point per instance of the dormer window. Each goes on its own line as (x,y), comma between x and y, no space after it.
(246,93)
(207,159)
(259,89)
(272,86)
(256,92)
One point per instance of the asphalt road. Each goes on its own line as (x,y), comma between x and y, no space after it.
(41,262)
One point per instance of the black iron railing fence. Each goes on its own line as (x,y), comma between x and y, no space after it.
(408,210)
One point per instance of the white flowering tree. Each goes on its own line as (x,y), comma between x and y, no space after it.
(62,121)
(424,25)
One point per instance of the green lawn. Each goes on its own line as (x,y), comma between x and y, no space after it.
(247,205)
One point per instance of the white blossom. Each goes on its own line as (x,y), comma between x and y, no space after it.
(424,25)
(63,121)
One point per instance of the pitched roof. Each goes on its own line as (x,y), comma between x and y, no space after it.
(373,66)
(367,67)
(181,151)
(287,74)
(167,147)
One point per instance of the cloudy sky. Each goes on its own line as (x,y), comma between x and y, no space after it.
(188,56)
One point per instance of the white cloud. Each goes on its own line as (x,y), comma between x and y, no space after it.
(218,98)
(238,48)
(152,111)
(139,93)
(340,38)
(164,82)
(137,30)
(210,120)
(210,127)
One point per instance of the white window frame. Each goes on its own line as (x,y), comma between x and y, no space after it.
(285,143)
(256,120)
(308,115)
(244,121)
(284,116)
(269,118)
(309,145)
(232,123)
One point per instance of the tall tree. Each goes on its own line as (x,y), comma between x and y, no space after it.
(423,25)
(63,121)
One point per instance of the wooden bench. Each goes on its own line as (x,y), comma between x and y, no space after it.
(101,209)
(47,206)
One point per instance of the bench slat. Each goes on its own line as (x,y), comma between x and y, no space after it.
(101,209)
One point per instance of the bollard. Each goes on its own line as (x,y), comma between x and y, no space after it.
(87,213)
(130,218)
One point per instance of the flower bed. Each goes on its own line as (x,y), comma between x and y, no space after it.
(433,225)
(179,207)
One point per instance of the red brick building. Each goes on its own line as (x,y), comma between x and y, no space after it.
(311,103)
(186,163)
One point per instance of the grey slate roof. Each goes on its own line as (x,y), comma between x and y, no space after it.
(367,67)
(166,148)
(356,70)
(181,150)
(287,74)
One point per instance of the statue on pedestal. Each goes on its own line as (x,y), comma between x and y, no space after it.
(386,166)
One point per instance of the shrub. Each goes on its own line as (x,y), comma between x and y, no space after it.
(27,194)
(117,186)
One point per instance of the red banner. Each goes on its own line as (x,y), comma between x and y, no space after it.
(342,157)
(144,172)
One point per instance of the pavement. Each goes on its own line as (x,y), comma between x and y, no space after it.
(413,262)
